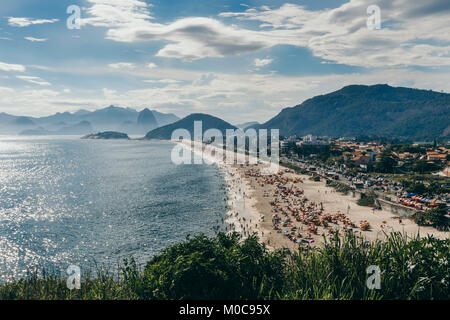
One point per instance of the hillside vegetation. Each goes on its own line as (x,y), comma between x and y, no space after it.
(208,122)
(226,268)
(378,110)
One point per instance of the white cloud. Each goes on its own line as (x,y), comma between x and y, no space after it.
(163,81)
(192,38)
(255,96)
(205,79)
(122,65)
(262,62)
(34,80)
(43,94)
(288,16)
(108,93)
(260,96)
(25,22)
(234,97)
(6,90)
(11,67)
(413,33)
(35,39)
(37,102)
(113,13)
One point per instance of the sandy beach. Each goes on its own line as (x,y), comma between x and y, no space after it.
(319,195)
(288,210)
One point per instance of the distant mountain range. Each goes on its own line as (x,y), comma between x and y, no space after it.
(247,125)
(208,122)
(356,110)
(84,122)
(378,110)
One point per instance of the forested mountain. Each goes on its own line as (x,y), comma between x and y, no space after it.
(378,110)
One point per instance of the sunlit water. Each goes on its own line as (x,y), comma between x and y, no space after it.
(69,201)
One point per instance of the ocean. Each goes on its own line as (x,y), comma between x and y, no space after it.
(91,203)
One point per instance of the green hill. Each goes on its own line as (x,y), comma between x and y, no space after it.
(208,122)
(378,110)
(109,135)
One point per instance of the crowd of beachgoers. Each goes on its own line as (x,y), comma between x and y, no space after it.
(285,211)
(296,218)
(288,210)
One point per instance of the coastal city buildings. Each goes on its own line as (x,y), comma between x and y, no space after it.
(408,175)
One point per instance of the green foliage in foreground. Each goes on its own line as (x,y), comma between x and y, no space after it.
(226,268)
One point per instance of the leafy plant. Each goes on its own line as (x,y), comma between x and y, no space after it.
(226,267)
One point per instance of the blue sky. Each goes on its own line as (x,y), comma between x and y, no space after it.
(239,60)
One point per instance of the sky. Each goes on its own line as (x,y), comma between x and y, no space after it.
(238,60)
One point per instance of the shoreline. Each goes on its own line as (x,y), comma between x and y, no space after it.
(242,216)
(255,200)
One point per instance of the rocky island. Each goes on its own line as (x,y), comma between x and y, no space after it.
(108,135)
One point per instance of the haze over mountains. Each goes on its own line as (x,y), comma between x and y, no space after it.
(246,125)
(84,122)
(356,110)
